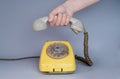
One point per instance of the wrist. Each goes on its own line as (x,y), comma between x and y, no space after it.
(72,5)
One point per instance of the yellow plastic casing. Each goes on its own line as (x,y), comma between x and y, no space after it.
(51,65)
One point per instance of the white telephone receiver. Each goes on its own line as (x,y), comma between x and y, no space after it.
(75,25)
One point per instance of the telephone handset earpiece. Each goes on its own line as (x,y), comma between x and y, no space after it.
(75,25)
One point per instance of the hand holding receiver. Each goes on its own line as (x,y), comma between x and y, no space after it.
(75,25)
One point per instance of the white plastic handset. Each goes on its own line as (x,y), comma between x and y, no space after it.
(75,25)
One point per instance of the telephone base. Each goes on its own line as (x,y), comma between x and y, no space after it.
(57,57)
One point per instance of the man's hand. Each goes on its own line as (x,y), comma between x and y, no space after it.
(60,16)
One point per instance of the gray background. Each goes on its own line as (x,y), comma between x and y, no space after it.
(17,39)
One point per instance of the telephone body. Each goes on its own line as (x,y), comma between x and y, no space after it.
(57,57)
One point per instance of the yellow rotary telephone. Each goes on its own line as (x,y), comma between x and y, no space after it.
(58,56)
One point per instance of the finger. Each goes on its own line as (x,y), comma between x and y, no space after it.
(52,15)
(54,21)
(64,17)
(59,18)
(67,20)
